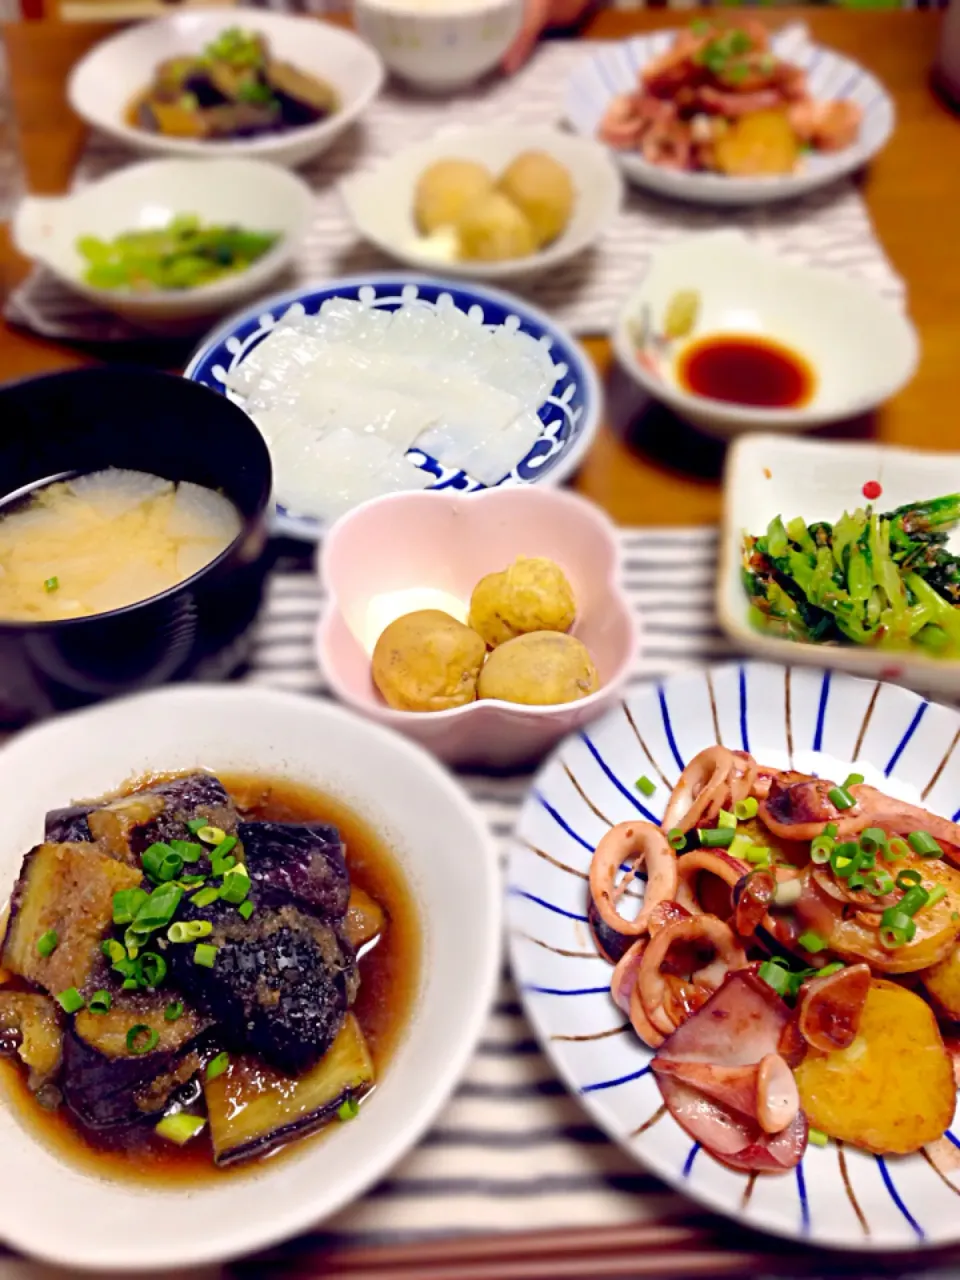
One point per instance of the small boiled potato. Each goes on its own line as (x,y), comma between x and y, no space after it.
(942,983)
(938,925)
(533,594)
(492,229)
(543,190)
(892,1090)
(757,145)
(427,661)
(445,189)
(540,669)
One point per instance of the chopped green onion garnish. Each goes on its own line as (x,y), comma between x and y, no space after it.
(178,932)
(821,848)
(776,975)
(173,1011)
(180,1128)
(830,830)
(349,1109)
(161,862)
(873,840)
(198,929)
(70,1001)
(192,882)
(153,968)
(676,839)
(209,835)
(817,1137)
(47,943)
(236,886)
(196,825)
(739,845)
(142,1039)
(845,859)
(812,942)
(205,955)
(726,819)
(159,908)
(645,786)
(896,848)
(205,897)
(717,837)
(840,798)
(899,923)
(188,850)
(744,810)
(937,894)
(879,883)
(126,904)
(856,881)
(911,902)
(113,950)
(217,1066)
(100,1002)
(853,780)
(758,855)
(834,967)
(923,843)
(130,984)
(908,878)
(246,909)
(51,584)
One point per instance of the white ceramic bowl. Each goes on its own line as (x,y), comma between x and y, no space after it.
(381,202)
(439,45)
(258,196)
(55,1211)
(819,480)
(862,348)
(613,68)
(104,83)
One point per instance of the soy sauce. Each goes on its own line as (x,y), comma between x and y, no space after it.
(746,369)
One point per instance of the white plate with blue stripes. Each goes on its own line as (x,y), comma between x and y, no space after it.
(614,69)
(789,718)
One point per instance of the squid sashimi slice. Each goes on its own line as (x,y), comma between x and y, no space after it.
(283,350)
(492,461)
(734,1138)
(326,405)
(341,470)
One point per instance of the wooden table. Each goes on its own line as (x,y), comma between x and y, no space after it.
(651,470)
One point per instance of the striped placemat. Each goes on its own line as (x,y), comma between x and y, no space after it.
(828,228)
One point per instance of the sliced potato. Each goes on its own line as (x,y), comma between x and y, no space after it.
(760,144)
(892,1090)
(942,983)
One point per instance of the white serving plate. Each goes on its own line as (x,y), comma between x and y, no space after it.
(380,203)
(108,78)
(68,1217)
(862,348)
(614,69)
(818,480)
(250,193)
(809,720)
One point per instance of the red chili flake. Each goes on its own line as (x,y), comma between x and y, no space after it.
(872,490)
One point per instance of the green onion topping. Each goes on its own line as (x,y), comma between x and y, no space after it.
(196,825)
(70,1001)
(830,830)
(896,849)
(817,1137)
(879,883)
(246,909)
(205,897)
(840,798)
(937,894)
(217,1066)
(676,839)
(180,1128)
(726,819)
(744,810)
(349,1109)
(161,862)
(873,840)
(173,1011)
(739,846)
(812,942)
(208,834)
(47,943)
(51,584)
(911,902)
(853,780)
(821,848)
(645,786)
(923,843)
(908,878)
(142,1039)
(153,968)
(113,950)
(126,904)
(845,859)
(100,1002)
(758,855)
(717,837)
(188,850)
(205,955)
(236,886)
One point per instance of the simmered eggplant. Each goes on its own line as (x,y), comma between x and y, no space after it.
(30,1028)
(108,1079)
(280,984)
(241,119)
(65,891)
(304,97)
(301,863)
(253,1109)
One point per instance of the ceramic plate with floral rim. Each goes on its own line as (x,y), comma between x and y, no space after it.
(769,475)
(789,718)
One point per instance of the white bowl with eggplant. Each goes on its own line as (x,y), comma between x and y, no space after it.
(223,937)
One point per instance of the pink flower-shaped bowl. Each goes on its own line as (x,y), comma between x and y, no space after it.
(448,541)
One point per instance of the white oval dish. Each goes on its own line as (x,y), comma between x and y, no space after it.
(423,815)
(863,349)
(614,69)
(254,195)
(380,203)
(809,720)
(107,79)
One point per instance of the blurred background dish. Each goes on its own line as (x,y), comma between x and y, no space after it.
(383,202)
(106,85)
(734,338)
(439,45)
(614,69)
(245,196)
(429,551)
(81,423)
(492,391)
(769,476)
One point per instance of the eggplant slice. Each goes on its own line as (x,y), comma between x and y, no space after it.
(107,1084)
(253,1109)
(298,863)
(30,1028)
(66,888)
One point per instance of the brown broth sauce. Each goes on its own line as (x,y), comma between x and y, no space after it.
(389,980)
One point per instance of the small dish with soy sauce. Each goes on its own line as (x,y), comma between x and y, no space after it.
(734,338)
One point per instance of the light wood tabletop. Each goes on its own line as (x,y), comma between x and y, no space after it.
(647,469)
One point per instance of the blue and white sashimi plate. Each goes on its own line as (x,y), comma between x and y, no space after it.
(570,414)
(789,718)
